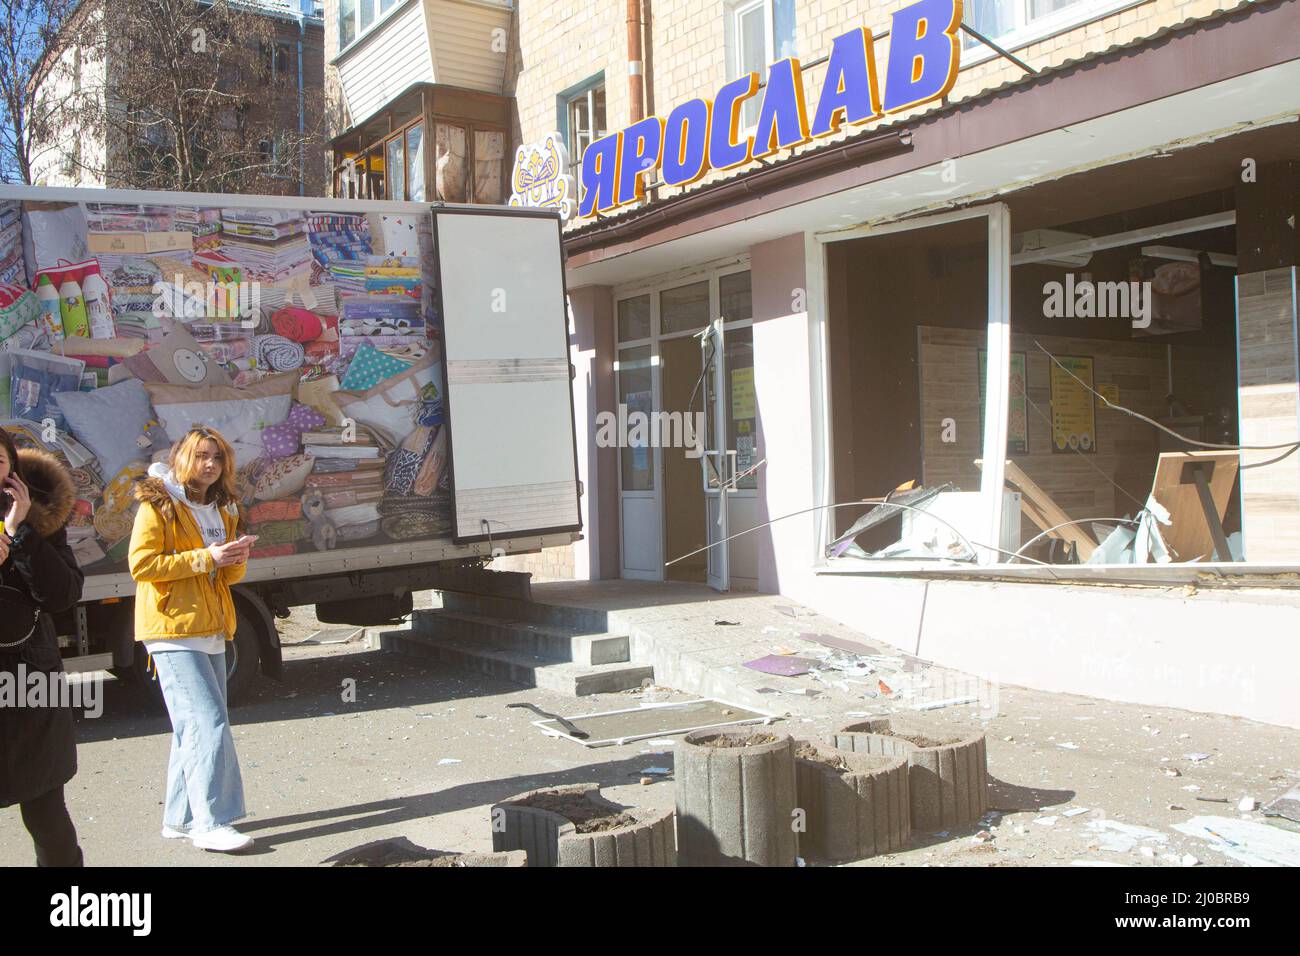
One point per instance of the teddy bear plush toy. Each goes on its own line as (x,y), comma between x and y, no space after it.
(323,533)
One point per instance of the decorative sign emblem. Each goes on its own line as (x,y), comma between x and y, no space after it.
(539,180)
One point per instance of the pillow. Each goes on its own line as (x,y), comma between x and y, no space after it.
(240,414)
(18,306)
(392,407)
(111,422)
(181,360)
(369,367)
(283,440)
(283,478)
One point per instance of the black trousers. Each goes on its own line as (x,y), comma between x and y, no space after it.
(47,820)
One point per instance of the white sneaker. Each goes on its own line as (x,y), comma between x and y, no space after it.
(169,834)
(222,840)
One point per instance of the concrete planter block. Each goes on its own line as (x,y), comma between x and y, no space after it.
(948,782)
(735,804)
(550,839)
(858,811)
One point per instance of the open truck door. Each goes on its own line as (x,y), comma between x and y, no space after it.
(509,398)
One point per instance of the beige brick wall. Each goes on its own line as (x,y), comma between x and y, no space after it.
(549,564)
(562,42)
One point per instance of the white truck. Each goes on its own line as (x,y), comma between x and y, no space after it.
(394,378)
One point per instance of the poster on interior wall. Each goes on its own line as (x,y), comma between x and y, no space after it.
(1170,296)
(1074,422)
(1017,417)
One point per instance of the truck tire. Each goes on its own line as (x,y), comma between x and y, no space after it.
(242,657)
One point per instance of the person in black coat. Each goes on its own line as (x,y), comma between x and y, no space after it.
(38,577)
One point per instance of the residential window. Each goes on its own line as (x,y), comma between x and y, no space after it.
(759,32)
(586,121)
(415,163)
(1013,23)
(284,61)
(396,168)
(358,16)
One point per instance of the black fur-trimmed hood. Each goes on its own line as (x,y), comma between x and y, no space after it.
(53,491)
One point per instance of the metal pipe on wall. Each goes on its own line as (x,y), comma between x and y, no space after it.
(635,64)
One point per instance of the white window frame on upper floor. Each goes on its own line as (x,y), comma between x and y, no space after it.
(1024,31)
(382,16)
(734,10)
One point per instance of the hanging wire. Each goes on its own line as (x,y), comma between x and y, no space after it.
(1088,461)
(1066,524)
(1169,431)
(856,504)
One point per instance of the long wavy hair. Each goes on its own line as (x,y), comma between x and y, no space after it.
(223,490)
(11,452)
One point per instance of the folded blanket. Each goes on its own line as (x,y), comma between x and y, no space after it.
(288,510)
(346,479)
(280,532)
(353,514)
(405,527)
(355,532)
(272,551)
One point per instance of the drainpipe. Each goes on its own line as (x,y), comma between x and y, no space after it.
(302,145)
(635,66)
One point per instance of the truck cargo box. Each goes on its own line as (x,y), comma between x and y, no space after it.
(394,377)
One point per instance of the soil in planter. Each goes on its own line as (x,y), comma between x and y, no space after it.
(585,815)
(806,751)
(924,742)
(736,740)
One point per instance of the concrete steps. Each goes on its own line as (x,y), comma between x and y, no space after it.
(562,649)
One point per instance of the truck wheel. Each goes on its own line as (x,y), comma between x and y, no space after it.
(241,665)
(242,656)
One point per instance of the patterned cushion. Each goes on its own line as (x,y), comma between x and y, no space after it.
(283,477)
(369,367)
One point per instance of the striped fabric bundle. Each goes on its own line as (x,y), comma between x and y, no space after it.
(278,353)
(287,510)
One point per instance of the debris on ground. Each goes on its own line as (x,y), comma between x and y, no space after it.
(1117,837)
(778,665)
(1286,806)
(1246,841)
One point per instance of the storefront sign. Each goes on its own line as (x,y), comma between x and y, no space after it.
(701,135)
(539,180)
(1074,426)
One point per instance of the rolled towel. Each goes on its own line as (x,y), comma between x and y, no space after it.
(299,325)
(278,353)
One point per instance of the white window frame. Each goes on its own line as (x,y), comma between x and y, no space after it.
(734,11)
(1028,31)
(593,134)
(381,17)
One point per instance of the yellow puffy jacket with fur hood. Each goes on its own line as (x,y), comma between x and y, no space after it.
(175,596)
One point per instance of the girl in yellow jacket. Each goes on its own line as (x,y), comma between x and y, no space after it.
(185,554)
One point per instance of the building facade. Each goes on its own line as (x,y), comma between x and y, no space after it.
(92,156)
(884,308)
